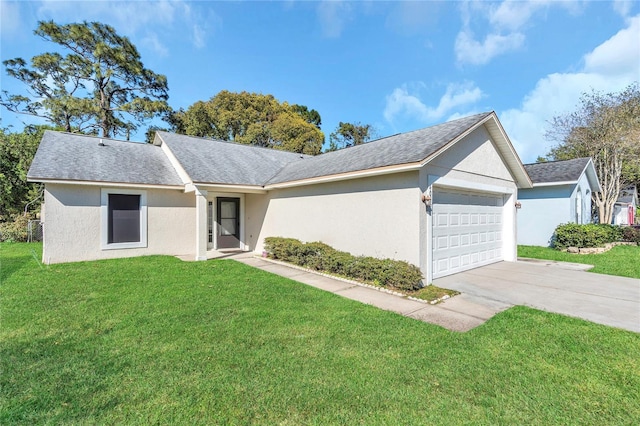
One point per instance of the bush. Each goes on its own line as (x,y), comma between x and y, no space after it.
(631,235)
(321,257)
(589,235)
(14,231)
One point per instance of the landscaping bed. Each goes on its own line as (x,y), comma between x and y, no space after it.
(397,276)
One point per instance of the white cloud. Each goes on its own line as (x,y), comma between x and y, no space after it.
(622,7)
(469,50)
(610,67)
(135,17)
(513,15)
(333,16)
(151,42)
(402,103)
(506,23)
(618,55)
(10,20)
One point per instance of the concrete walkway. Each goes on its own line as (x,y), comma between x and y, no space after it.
(460,313)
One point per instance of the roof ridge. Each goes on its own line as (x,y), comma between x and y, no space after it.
(557,161)
(250,146)
(95,137)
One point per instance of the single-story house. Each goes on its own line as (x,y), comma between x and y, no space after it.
(624,210)
(561,193)
(442,198)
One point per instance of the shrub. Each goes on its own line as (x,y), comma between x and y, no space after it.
(14,231)
(589,235)
(283,248)
(322,257)
(631,234)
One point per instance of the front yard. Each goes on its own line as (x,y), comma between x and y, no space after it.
(623,261)
(157,340)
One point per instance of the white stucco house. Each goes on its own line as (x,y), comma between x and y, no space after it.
(561,193)
(442,198)
(624,210)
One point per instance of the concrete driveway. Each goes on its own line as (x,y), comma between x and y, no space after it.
(604,299)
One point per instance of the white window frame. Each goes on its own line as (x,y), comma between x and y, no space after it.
(104,219)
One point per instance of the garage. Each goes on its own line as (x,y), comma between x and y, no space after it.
(467,230)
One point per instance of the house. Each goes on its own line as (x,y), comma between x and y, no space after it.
(442,198)
(624,210)
(561,193)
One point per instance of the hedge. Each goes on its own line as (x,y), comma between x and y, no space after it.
(15,230)
(589,235)
(318,256)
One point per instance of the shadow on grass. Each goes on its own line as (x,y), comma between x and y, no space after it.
(12,260)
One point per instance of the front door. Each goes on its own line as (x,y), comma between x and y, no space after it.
(228,220)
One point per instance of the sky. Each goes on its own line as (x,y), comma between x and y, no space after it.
(398,66)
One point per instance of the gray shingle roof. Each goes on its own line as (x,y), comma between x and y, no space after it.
(627,195)
(557,171)
(394,150)
(68,156)
(214,161)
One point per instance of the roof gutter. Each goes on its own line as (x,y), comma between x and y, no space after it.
(247,189)
(109,184)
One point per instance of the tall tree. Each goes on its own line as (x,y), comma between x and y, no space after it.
(250,118)
(16,154)
(99,85)
(350,134)
(310,116)
(605,127)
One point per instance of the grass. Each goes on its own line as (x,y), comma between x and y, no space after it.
(157,340)
(623,261)
(432,293)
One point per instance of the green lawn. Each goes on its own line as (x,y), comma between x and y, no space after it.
(620,260)
(157,340)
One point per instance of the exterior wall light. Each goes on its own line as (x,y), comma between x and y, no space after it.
(518,205)
(426,199)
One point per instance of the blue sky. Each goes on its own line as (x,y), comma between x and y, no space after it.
(399,66)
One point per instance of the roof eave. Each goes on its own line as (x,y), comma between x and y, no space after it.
(407,167)
(225,187)
(103,183)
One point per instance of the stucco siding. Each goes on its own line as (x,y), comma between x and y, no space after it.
(543,209)
(377,216)
(73,226)
(476,154)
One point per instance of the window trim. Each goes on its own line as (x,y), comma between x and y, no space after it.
(104,219)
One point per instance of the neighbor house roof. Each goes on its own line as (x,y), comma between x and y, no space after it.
(220,162)
(563,172)
(628,195)
(73,157)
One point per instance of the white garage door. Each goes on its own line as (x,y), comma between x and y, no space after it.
(467,230)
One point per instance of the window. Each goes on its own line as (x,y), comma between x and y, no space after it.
(124,218)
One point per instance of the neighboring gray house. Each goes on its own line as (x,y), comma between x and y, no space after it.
(442,198)
(624,210)
(561,193)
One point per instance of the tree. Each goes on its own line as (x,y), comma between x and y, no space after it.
(605,127)
(350,134)
(310,116)
(16,154)
(100,85)
(251,118)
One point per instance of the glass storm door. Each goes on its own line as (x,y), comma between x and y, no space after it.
(228,219)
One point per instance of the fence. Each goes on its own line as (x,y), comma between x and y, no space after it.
(34,230)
